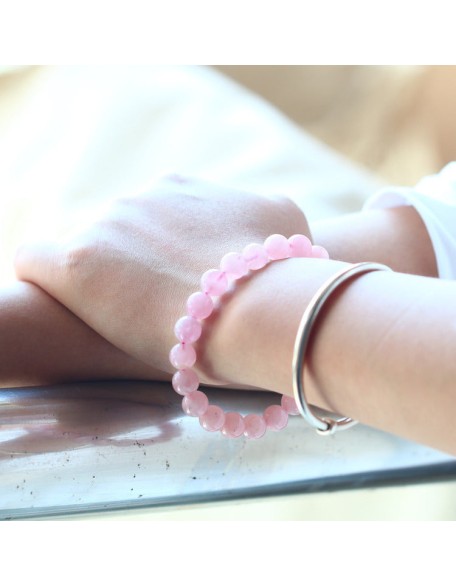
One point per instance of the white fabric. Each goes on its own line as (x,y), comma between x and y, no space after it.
(434,198)
(73,137)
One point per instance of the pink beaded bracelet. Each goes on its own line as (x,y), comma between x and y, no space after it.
(188,329)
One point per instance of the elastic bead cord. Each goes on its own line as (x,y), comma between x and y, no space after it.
(188,329)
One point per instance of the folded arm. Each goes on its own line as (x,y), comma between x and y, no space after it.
(42,342)
(379,354)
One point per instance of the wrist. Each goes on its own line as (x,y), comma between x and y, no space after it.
(249,341)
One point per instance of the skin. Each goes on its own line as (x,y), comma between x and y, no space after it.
(43,342)
(386,364)
(371,364)
(129,274)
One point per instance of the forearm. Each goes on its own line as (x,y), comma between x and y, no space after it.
(382,352)
(396,237)
(41,342)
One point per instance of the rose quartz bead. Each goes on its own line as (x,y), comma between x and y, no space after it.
(319,252)
(289,405)
(255,426)
(234,425)
(276,418)
(182,356)
(185,381)
(187,329)
(213,418)
(195,403)
(234,265)
(200,305)
(300,246)
(277,247)
(214,282)
(255,256)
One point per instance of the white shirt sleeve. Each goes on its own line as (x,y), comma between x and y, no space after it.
(434,198)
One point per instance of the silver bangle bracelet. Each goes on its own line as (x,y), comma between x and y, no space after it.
(326,424)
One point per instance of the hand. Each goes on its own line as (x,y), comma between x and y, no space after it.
(128,273)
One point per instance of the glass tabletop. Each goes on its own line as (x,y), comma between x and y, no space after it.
(115,445)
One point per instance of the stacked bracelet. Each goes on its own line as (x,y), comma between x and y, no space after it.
(200,306)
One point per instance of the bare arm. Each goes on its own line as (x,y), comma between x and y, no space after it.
(382,352)
(396,237)
(41,342)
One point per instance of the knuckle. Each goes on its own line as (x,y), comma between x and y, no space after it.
(75,259)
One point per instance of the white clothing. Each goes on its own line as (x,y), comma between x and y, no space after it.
(434,198)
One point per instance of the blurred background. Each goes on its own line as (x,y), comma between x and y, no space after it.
(395,120)
(83,133)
